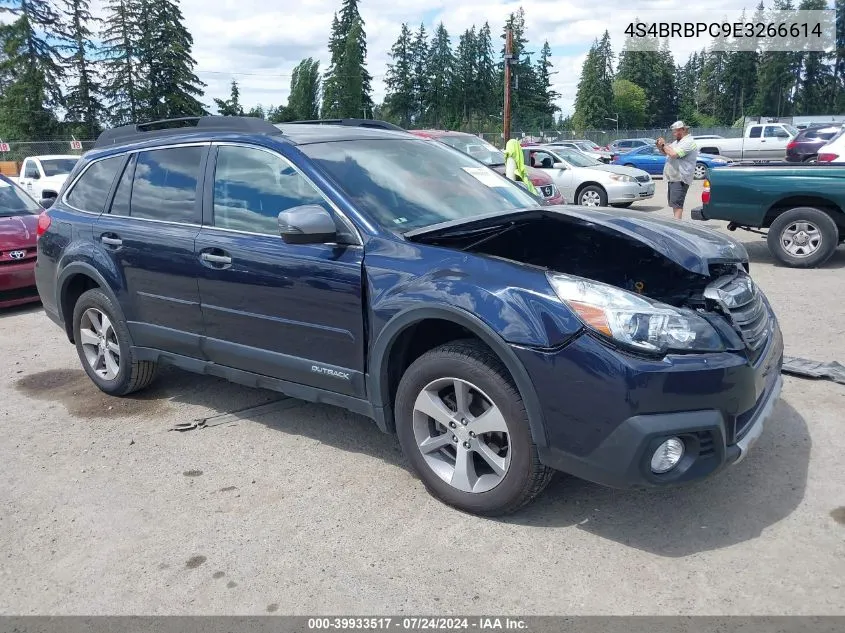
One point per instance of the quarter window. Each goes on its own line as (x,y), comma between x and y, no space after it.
(251,188)
(165,185)
(91,190)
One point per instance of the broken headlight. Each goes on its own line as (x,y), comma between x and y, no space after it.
(633,320)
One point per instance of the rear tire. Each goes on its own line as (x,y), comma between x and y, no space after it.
(104,346)
(803,237)
(500,470)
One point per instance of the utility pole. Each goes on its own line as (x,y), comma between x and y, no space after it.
(506,112)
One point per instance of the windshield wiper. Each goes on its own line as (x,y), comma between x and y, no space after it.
(496,165)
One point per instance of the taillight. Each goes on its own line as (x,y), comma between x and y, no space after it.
(705,194)
(791,144)
(827,158)
(43,224)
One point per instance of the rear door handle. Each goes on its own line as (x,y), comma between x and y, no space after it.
(216,259)
(111,241)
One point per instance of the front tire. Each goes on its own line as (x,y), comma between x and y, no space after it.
(804,237)
(592,196)
(104,346)
(463,426)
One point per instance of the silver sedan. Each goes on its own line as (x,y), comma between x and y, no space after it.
(588,182)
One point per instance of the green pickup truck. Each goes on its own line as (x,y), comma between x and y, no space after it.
(801,206)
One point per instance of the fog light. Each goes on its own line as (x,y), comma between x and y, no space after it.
(667,455)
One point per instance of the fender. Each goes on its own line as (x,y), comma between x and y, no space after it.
(377,379)
(84,268)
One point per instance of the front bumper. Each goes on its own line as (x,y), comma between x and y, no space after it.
(619,192)
(17,283)
(607,412)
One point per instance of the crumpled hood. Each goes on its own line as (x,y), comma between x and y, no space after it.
(691,247)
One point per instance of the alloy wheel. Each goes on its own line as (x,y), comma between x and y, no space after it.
(700,172)
(590,198)
(100,344)
(801,239)
(462,435)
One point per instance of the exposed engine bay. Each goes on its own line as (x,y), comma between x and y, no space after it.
(569,245)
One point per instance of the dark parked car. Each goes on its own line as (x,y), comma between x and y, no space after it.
(500,339)
(625,145)
(804,148)
(18,228)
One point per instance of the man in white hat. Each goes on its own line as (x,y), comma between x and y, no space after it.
(680,165)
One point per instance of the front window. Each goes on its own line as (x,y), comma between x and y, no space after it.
(588,146)
(478,148)
(409,184)
(789,128)
(14,202)
(58,166)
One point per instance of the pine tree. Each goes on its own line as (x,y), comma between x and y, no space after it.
(489,82)
(419,54)
(399,79)
(838,97)
(815,91)
(776,77)
(646,69)
(257,111)
(34,77)
(594,98)
(547,95)
(304,99)
(123,82)
(82,102)
(173,88)
(465,88)
(232,105)
(338,85)
(441,64)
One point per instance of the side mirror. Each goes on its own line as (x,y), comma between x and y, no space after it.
(307,224)
(46,203)
(559,166)
(36,176)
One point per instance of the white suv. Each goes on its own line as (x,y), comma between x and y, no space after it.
(834,151)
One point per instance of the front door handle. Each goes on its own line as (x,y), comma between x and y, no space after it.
(111,241)
(216,259)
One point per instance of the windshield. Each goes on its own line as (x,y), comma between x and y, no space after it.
(13,201)
(478,148)
(58,166)
(409,184)
(578,159)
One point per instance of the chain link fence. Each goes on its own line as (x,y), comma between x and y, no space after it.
(10,161)
(603,137)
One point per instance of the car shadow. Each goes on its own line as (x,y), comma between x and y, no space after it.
(25,308)
(732,507)
(758,252)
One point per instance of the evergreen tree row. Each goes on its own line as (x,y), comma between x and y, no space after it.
(142,70)
(713,87)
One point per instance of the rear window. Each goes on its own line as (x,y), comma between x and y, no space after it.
(13,201)
(58,166)
(409,184)
(92,188)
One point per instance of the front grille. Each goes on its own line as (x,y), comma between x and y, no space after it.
(744,302)
(645,178)
(547,190)
(6,256)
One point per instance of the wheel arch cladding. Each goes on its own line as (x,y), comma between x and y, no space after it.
(816,201)
(74,280)
(438,325)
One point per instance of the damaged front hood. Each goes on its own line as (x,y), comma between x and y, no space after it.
(691,247)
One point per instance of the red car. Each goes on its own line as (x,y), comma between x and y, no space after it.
(483,151)
(18,226)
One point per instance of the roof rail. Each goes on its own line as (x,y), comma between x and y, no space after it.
(185,125)
(372,123)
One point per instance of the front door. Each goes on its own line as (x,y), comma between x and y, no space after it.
(289,311)
(149,233)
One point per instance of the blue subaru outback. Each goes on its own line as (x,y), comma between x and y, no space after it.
(500,339)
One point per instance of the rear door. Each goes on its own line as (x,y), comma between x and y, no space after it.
(148,233)
(289,311)
(29,176)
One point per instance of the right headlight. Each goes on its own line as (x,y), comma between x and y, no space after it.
(633,320)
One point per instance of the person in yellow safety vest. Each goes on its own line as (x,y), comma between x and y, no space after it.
(515,165)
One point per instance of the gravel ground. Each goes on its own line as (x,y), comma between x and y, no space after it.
(304,509)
